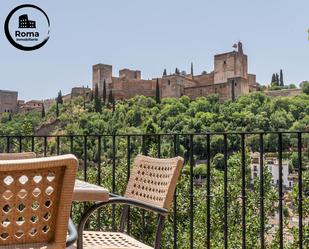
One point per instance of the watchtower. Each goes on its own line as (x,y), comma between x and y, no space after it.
(101,72)
(230,65)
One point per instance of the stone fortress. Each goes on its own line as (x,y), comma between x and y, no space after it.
(229,79)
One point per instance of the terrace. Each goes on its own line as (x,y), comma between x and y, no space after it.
(212,207)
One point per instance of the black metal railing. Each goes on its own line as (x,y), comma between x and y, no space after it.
(90,149)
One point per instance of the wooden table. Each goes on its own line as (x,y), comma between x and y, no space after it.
(84,191)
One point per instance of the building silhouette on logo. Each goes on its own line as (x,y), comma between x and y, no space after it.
(24,22)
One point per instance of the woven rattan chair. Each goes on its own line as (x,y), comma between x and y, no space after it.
(151,186)
(35,202)
(15,156)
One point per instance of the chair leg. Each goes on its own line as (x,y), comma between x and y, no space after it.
(159,231)
(124,215)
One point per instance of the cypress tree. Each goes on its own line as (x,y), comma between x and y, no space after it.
(59,98)
(114,106)
(57,109)
(281,78)
(273,78)
(43,111)
(277,79)
(111,97)
(177,71)
(104,92)
(164,72)
(192,73)
(158,100)
(97,100)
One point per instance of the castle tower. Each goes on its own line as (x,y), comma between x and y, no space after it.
(101,72)
(230,65)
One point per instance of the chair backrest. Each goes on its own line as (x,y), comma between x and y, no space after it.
(35,200)
(154,180)
(16,156)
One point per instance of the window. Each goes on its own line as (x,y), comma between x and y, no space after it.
(254,168)
(254,175)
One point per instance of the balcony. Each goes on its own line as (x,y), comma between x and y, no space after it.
(217,204)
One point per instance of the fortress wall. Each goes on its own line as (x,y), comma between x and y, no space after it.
(8,101)
(230,65)
(101,72)
(205,79)
(130,74)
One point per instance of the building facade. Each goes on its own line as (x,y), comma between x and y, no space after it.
(32,105)
(272,164)
(230,79)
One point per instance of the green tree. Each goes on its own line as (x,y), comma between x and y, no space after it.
(59,98)
(43,111)
(277,79)
(158,99)
(273,79)
(218,161)
(281,78)
(164,72)
(104,92)
(305,87)
(111,99)
(97,100)
(57,109)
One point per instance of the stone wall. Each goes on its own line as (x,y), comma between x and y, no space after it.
(130,74)
(227,66)
(230,65)
(205,79)
(232,89)
(284,93)
(81,91)
(8,101)
(101,72)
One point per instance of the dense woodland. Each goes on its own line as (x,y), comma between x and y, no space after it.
(141,115)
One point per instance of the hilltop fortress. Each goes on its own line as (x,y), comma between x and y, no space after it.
(229,79)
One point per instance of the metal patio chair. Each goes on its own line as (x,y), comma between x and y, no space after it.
(35,201)
(151,187)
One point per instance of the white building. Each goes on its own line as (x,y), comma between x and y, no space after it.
(272,164)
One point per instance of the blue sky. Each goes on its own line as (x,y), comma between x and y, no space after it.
(153,35)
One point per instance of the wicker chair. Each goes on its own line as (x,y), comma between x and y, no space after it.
(32,193)
(16,156)
(151,187)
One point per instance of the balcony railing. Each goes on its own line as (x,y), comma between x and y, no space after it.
(98,152)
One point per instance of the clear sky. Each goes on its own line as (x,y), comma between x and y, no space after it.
(153,35)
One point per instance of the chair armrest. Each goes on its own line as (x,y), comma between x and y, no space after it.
(115,199)
(72,234)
